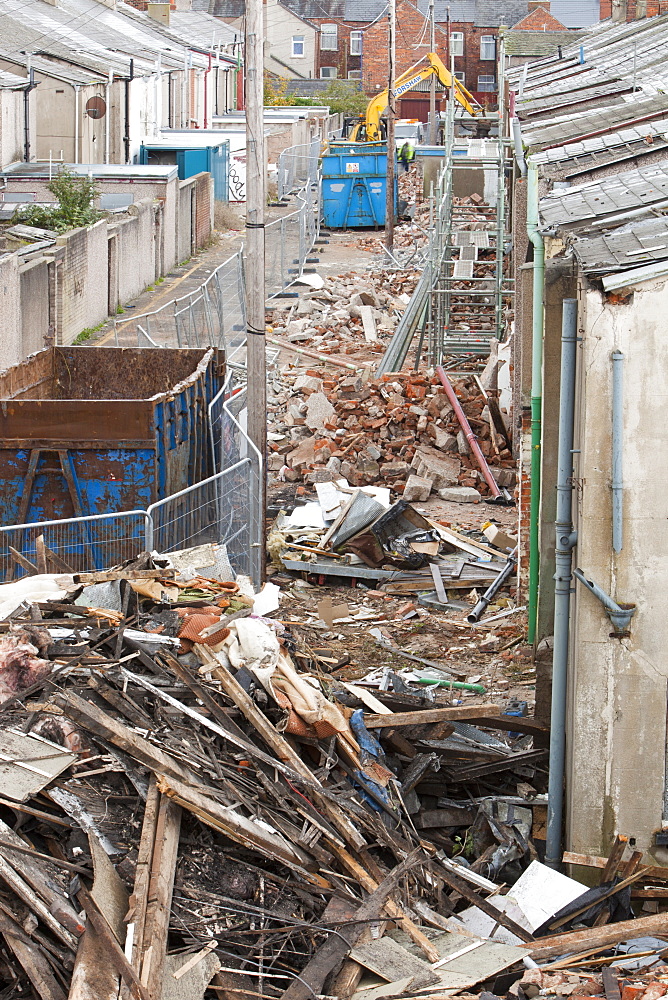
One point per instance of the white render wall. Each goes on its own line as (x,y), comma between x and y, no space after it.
(618,689)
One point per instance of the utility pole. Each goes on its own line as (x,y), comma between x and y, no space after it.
(432,81)
(391,145)
(256,359)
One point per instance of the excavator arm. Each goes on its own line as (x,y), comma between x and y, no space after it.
(369,125)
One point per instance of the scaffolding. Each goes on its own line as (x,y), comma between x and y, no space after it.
(471,288)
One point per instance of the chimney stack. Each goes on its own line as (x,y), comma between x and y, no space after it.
(159,12)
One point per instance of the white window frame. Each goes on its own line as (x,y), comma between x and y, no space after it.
(328,73)
(457,43)
(356,43)
(486,83)
(327,33)
(297,42)
(461,76)
(354,74)
(487,44)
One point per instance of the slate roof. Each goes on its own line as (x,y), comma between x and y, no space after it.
(628,247)
(536,44)
(603,202)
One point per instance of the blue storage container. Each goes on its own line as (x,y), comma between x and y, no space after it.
(191,160)
(354,184)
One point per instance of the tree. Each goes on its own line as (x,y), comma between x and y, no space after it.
(343,98)
(75,196)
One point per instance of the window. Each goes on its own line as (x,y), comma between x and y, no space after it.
(487,83)
(487,47)
(457,43)
(328,72)
(460,76)
(356,43)
(328,38)
(298,46)
(354,74)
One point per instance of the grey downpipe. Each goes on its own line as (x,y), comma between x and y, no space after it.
(565,540)
(617,445)
(619,614)
(519,146)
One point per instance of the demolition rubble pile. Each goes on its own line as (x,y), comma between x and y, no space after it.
(399,430)
(192,807)
(349,310)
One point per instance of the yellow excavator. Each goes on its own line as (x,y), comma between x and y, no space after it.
(368,127)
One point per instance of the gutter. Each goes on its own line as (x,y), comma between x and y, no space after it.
(26,113)
(538,324)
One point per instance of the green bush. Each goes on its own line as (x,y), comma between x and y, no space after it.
(75,196)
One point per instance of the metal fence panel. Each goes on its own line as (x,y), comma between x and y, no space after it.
(85,544)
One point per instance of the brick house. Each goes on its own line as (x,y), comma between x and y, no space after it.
(290,42)
(632,10)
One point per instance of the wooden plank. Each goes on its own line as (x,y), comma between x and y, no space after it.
(427,715)
(32,960)
(160,890)
(614,857)
(593,861)
(40,553)
(392,909)
(388,959)
(113,950)
(279,745)
(136,914)
(29,567)
(465,890)
(34,903)
(655,925)
(329,956)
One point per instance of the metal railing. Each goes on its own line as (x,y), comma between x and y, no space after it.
(213,315)
(225,508)
(83,544)
(297,167)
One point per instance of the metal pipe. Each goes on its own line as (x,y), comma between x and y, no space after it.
(617,450)
(619,614)
(468,433)
(564,541)
(519,146)
(107,133)
(126,136)
(493,589)
(538,322)
(26,112)
(76,123)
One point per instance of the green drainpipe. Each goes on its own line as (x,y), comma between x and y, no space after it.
(538,322)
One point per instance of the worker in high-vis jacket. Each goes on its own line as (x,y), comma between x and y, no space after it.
(407,155)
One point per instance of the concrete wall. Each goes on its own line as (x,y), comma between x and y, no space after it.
(133,253)
(35,311)
(82,289)
(617,697)
(10,310)
(12,132)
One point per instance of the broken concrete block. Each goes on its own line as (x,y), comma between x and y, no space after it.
(334,466)
(504,477)
(395,470)
(319,411)
(416,488)
(303,454)
(275,462)
(443,440)
(459,494)
(319,476)
(442,469)
(308,382)
(462,444)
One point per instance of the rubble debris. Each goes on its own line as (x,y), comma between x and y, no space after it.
(224,805)
(386,430)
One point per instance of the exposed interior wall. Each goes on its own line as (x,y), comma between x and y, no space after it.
(617,695)
(34,285)
(12,135)
(11,348)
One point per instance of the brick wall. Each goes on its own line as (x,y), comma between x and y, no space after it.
(539,19)
(135,257)
(411,27)
(341,58)
(605,9)
(82,293)
(194,221)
